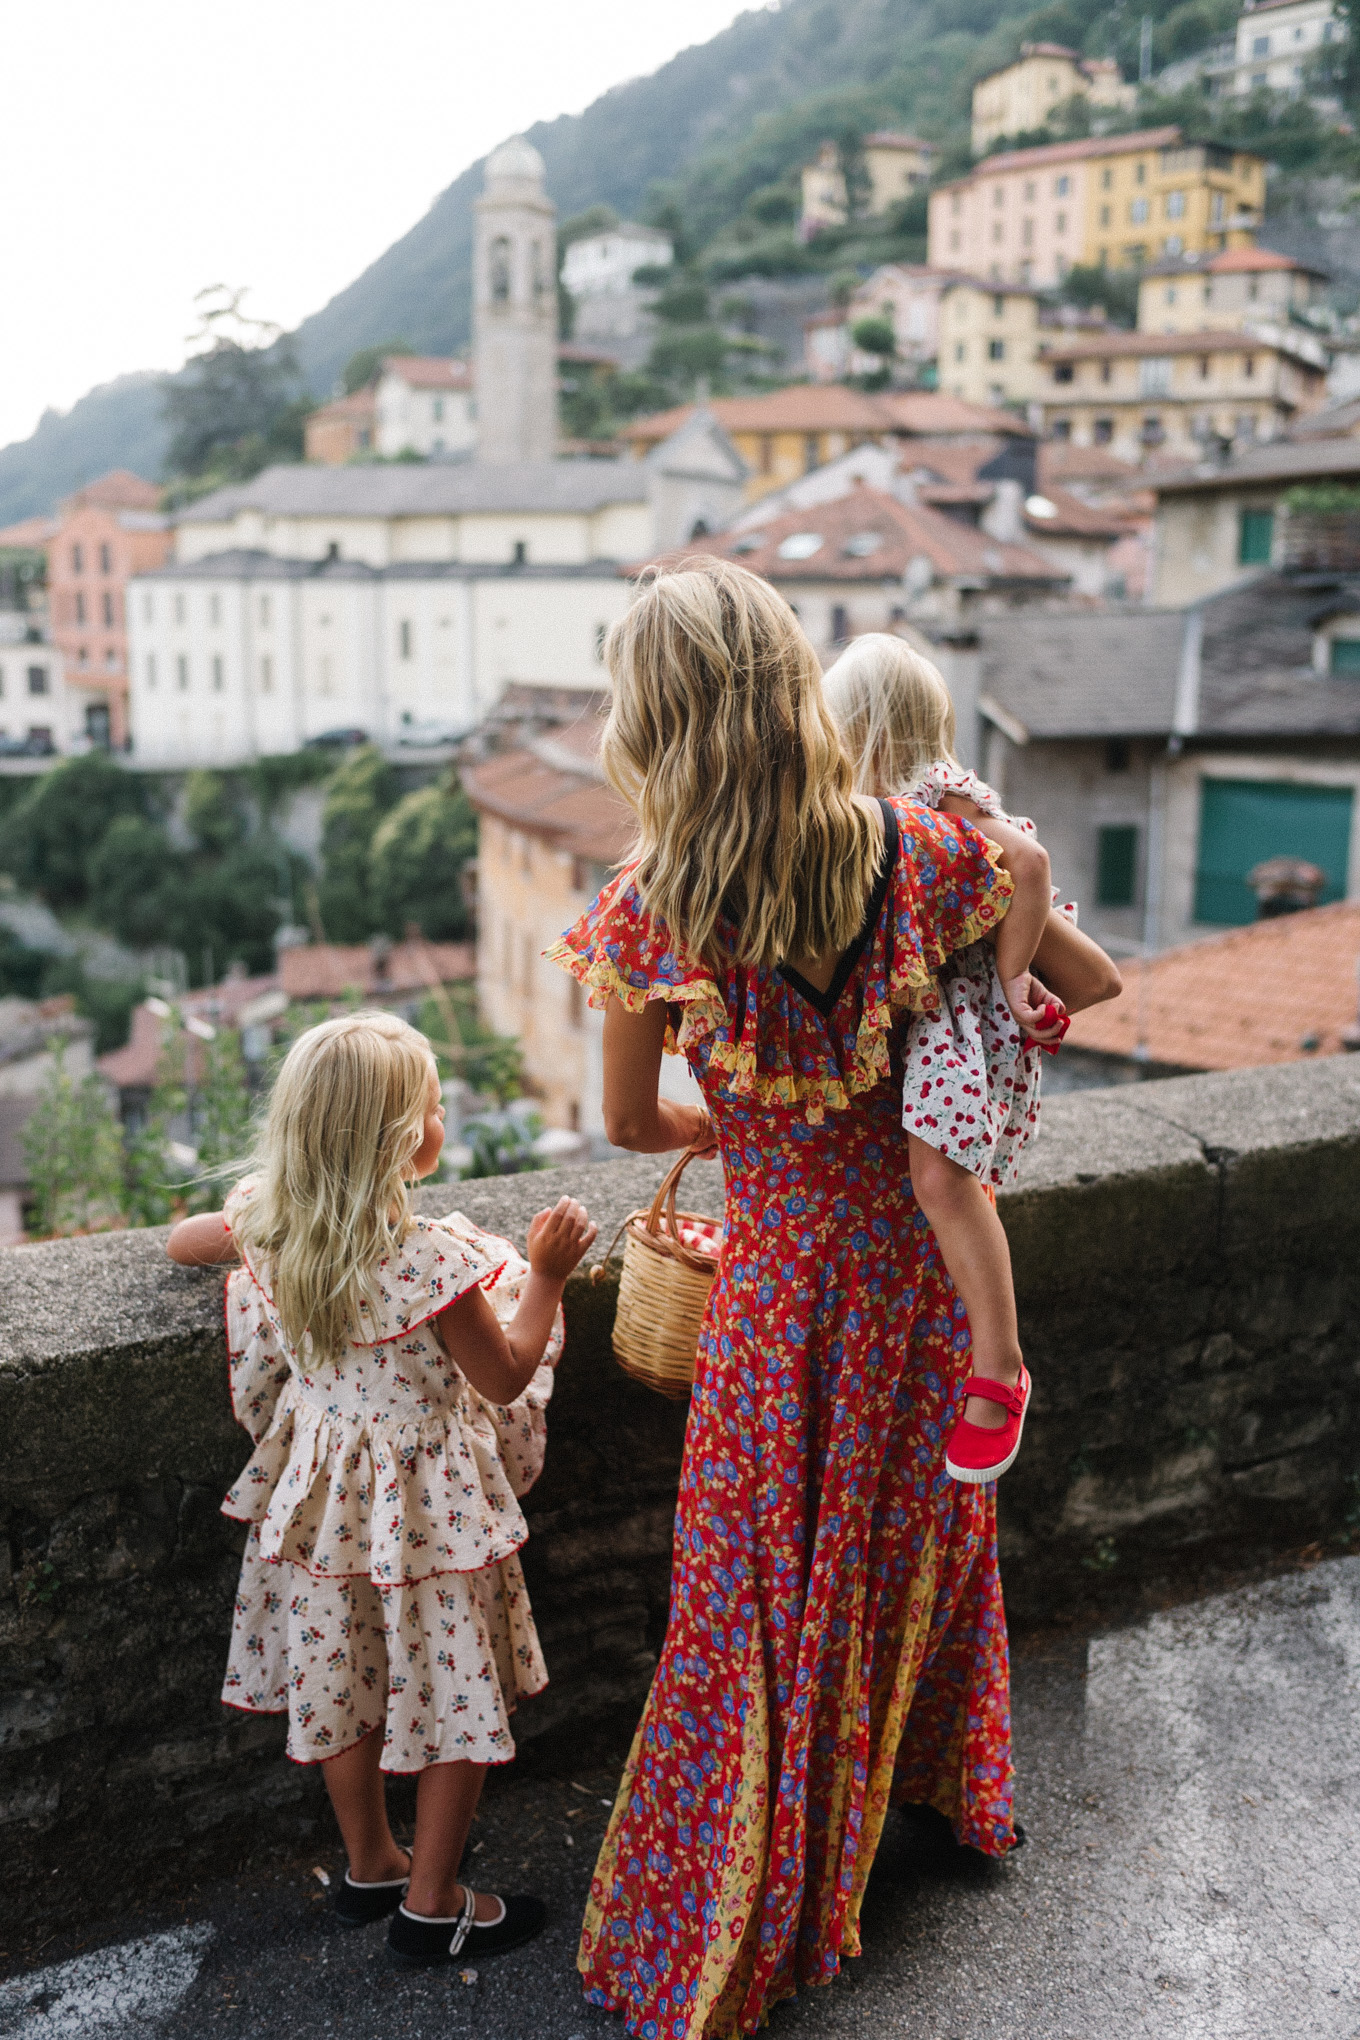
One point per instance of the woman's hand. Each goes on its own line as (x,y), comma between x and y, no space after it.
(701,1139)
(558,1238)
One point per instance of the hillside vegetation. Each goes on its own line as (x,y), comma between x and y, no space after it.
(712,141)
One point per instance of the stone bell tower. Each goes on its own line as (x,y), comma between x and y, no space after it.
(514,308)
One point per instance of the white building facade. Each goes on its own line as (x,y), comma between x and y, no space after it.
(1276,38)
(603,265)
(242,654)
(38,712)
(424,404)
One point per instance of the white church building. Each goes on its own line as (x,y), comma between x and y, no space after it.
(402,599)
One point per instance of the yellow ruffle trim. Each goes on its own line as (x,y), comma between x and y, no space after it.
(914,989)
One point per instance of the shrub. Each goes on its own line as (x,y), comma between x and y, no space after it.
(74,1153)
(360,794)
(416,862)
(49,837)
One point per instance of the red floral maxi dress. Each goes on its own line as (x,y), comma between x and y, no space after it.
(836,1636)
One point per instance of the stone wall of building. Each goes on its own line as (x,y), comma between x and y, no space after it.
(1188,1279)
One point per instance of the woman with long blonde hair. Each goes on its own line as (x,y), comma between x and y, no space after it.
(393,1372)
(836,1630)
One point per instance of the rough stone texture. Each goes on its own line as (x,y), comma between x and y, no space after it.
(1188,1282)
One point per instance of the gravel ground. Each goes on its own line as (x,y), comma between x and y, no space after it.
(1191,1790)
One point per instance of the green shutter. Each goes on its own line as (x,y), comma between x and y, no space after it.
(1345,655)
(1116,867)
(1244,821)
(1254,535)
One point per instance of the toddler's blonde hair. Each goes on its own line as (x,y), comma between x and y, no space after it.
(720,740)
(893,710)
(346,1120)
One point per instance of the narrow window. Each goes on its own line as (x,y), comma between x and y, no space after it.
(105,560)
(108,609)
(182,673)
(80,606)
(404,638)
(77,559)
(264,611)
(1255,536)
(214,609)
(217,675)
(266,675)
(1117,866)
(520,555)
(151,669)
(37,679)
(179,609)
(840,624)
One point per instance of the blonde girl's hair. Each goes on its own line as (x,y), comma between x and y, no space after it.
(346,1119)
(720,740)
(893,710)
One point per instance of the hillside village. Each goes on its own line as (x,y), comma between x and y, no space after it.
(1046,402)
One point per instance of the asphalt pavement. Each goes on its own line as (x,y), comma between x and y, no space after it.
(1191,1790)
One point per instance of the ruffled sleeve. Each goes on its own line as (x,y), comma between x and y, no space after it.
(749,1035)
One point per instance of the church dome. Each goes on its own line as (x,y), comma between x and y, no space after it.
(517,161)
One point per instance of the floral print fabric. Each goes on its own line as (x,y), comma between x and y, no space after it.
(836,1635)
(380,1582)
(970,1085)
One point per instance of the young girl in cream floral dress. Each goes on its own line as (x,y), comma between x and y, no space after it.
(393,1372)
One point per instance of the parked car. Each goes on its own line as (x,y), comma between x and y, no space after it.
(336,740)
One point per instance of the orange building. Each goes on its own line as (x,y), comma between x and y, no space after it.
(99,538)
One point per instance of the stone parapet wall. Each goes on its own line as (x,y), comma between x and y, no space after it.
(1188,1270)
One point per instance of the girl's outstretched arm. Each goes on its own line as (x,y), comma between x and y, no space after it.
(202,1242)
(500,1363)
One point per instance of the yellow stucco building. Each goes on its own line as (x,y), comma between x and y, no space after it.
(1023,95)
(989,342)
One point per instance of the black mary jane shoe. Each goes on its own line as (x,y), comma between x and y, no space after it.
(414,1942)
(359,1905)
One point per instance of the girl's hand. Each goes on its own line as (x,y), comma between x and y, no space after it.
(1042,1016)
(558,1238)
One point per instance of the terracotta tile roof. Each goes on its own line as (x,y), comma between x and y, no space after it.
(1229,260)
(572,810)
(954,549)
(1338,421)
(1075,519)
(327,970)
(1063,461)
(429,371)
(1068,152)
(830,407)
(1251,996)
(952,464)
(361,405)
(31,534)
(120,489)
(1111,342)
(923,413)
(136,1065)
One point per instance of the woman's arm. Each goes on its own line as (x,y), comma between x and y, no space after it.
(634,1116)
(202,1242)
(1077,968)
(500,1363)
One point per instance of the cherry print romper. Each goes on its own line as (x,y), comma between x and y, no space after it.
(381,1586)
(971,1082)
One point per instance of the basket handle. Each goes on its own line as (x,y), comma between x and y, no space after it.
(665,1195)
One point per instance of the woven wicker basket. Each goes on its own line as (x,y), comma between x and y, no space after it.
(663,1291)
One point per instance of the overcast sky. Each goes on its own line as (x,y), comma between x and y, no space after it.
(150,147)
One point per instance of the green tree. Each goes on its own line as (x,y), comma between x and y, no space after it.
(74,1153)
(48,838)
(222,1119)
(360,794)
(875,336)
(137,882)
(362,368)
(240,401)
(212,813)
(416,862)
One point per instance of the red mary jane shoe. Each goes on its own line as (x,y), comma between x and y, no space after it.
(976,1454)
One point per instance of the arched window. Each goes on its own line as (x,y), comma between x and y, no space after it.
(699,528)
(500,270)
(538,269)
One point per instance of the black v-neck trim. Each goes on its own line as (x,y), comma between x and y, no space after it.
(826,1002)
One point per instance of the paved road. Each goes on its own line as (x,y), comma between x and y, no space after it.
(1191,1788)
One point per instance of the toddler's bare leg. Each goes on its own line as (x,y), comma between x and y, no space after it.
(446,1799)
(355,1785)
(975,1251)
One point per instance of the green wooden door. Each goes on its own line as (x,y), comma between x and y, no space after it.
(1244,821)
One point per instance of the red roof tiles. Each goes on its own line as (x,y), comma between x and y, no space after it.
(1255,995)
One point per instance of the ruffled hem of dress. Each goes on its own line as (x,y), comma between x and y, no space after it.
(910,986)
(344,1498)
